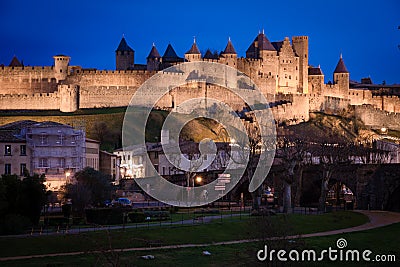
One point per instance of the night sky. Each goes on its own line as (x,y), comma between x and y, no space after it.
(365,32)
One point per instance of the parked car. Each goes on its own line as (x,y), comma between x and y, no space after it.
(122,201)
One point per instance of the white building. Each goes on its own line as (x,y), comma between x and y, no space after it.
(58,151)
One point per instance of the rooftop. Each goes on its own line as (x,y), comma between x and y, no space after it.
(123,46)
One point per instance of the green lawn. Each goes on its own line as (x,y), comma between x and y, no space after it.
(204,233)
(382,240)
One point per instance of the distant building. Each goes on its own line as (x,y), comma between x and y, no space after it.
(14,154)
(54,149)
(109,165)
(133,164)
(58,151)
(92,153)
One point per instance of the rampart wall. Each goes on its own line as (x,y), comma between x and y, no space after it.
(27,80)
(38,101)
(293,112)
(376,118)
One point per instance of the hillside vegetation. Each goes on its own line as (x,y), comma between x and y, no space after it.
(105,125)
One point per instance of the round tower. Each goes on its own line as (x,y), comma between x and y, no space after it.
(69,97)
(61,63)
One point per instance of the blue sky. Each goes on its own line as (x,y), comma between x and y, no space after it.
(365,32)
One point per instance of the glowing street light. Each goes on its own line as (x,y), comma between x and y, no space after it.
(198,179)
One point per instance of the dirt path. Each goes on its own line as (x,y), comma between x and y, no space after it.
(376,219)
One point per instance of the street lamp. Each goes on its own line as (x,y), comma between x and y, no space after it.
(198,179)
(122,171)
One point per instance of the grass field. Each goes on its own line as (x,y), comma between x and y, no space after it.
(380,241)
(204,233)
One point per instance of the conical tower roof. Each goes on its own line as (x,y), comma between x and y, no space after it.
(154,53)
(15,62)
(170,53)
(123,46)
(194,49)
(229,49)
(264,43)
(340,67)
(209,55)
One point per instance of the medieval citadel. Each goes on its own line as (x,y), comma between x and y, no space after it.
(279,69)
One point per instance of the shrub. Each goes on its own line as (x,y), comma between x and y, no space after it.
(14,224)
(157,215)
(104,216)
(173,209)
(136,217)
(56,220)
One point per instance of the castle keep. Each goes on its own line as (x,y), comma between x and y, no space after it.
(279,69)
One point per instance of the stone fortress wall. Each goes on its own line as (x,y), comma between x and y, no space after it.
(279,69)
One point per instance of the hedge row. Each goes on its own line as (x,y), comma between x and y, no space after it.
(104,216)
(149,215)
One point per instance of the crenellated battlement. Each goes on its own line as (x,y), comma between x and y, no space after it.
(26,68)
(127,72)
(300,37)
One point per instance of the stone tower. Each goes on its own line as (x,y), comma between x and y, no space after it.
(341,77)
(69,100)
(153,59)
(124,56)
(61,63)
(300,46)
(229,55)
(315,80)
(194,53)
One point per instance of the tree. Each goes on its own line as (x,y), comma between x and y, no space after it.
(250,147)
(331,155)
(291,152)
(33,196)
(90,187)
(21,199)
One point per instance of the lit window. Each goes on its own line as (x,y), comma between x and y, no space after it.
(7,150)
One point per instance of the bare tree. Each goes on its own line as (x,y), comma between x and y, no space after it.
(291,153)
(331,156)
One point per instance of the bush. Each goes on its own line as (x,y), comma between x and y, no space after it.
(13,224)
(136,217)
(56,221)
(157,215)
(104,216)
(77,220)
(173,209)
(208,211)
(154,215)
